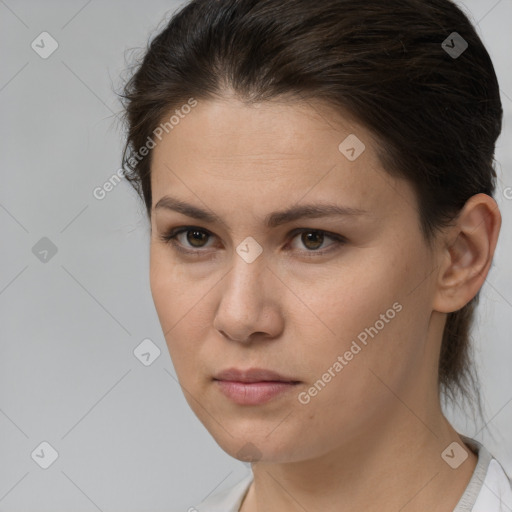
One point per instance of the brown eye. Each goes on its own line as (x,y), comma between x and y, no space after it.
(312,240)
(195,236)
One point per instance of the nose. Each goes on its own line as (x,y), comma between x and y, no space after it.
(249,305)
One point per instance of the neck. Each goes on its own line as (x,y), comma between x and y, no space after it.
(394,465)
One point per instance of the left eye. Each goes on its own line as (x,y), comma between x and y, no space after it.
(312,239)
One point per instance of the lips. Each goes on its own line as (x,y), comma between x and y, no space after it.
(253,375)
(254,386)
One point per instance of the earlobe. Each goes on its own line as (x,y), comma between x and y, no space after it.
(468,253)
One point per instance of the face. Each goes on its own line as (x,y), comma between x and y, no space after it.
(338,304)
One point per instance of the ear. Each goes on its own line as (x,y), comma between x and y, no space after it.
(467,253)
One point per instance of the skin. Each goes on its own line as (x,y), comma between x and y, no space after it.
(372,438)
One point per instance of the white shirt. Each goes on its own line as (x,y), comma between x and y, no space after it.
(489,490)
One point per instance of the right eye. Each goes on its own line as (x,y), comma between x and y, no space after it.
(193,235)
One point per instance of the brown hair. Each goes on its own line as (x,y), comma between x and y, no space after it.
(436,115)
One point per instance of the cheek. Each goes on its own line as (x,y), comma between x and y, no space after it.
(352,296)
(180,304)
(160,278)
(367,313)
(170,289)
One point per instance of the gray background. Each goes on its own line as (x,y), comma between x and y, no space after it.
(125,436)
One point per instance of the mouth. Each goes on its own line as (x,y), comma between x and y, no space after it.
(254,386)
(253,375)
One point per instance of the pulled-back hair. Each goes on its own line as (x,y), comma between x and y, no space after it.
(435,114)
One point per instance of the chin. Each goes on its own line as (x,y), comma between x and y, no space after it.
(255,447)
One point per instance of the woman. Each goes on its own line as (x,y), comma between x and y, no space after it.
(318,177)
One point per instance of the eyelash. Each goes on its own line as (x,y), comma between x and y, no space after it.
(170,238)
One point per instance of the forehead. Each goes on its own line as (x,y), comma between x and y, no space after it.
(227,128)
(271,153)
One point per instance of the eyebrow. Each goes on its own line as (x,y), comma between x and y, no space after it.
(271,220)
